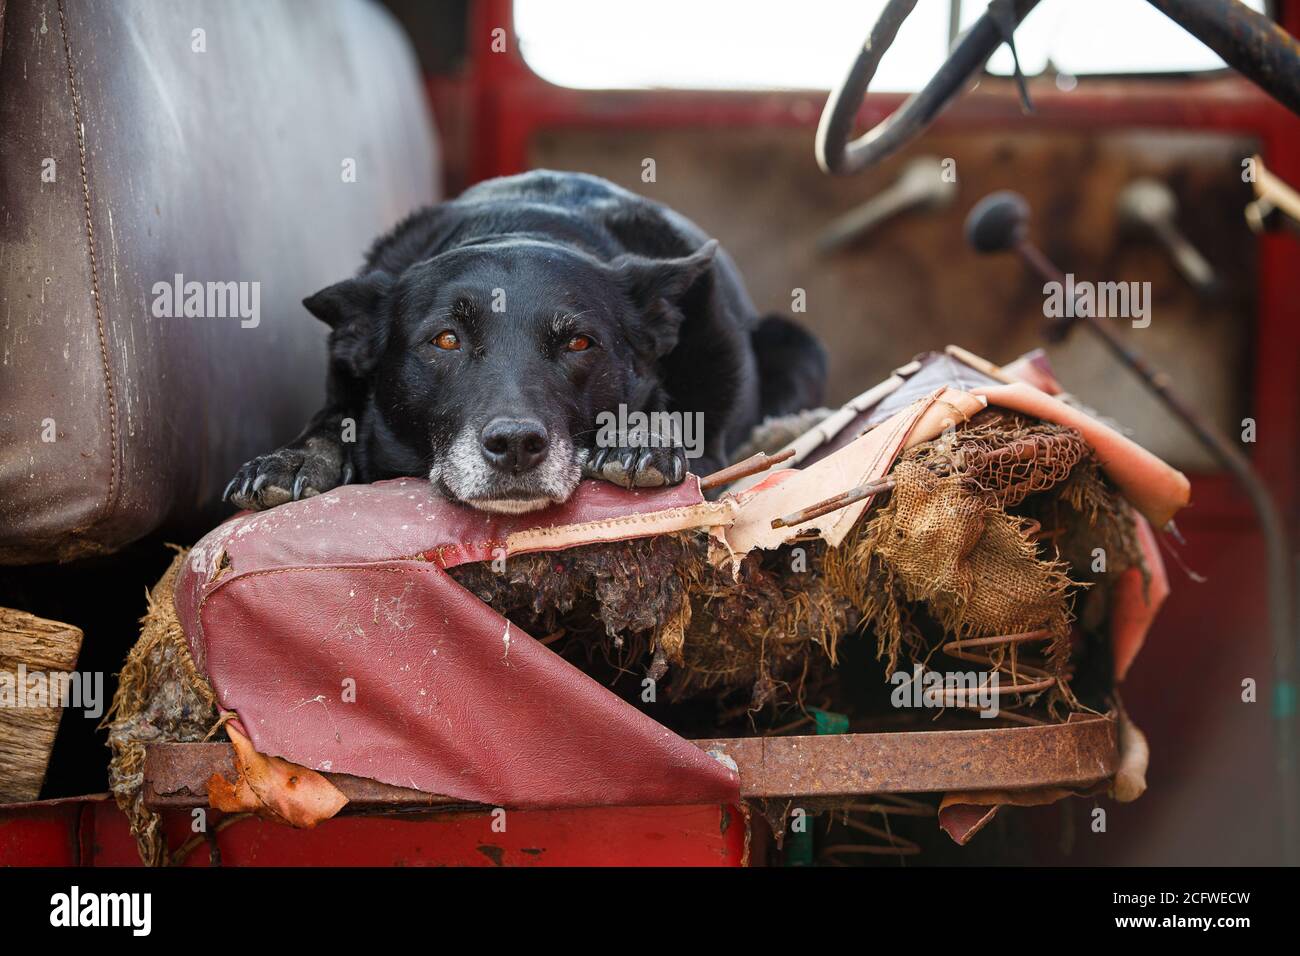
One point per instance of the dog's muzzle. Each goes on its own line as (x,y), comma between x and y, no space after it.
(509,466)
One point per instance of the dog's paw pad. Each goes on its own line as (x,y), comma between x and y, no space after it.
(283,475)
(637,467)
(617,468)
(648,473)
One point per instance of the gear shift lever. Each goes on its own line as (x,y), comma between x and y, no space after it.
(1149,206)
(921,185)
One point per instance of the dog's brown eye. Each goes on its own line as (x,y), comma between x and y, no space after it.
(579,343)
(447,341)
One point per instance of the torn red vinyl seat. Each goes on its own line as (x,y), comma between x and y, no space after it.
(330,628)
(347,648)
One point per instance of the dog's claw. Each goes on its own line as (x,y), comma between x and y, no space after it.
(614,472)
(288,474)
(637,467)
(348,474)
(627,465)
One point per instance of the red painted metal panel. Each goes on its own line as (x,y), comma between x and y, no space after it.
(511,103)
(48,834)
(94,832)
(636,836)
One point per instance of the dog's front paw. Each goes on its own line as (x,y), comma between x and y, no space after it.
(287,474)
(637,467)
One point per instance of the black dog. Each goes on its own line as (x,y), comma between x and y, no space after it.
(490,341)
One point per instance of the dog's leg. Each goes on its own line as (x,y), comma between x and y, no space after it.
(315,461)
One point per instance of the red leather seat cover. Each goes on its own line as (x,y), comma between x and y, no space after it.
(289,609)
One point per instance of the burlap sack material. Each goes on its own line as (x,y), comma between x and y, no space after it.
(970,563)
(952,540)
(160,696)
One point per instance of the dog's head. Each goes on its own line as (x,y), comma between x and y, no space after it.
(488,364)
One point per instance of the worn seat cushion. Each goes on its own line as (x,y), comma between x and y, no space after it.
(260,145)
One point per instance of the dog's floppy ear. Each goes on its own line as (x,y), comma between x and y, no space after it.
(648,280)
(351,308)
(349,300)
(655,286)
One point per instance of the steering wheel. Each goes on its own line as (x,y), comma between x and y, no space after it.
(1247,40)
(835,154)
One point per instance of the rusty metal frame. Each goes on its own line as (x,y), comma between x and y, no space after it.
(1077,754)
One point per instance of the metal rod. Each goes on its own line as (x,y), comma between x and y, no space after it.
(835,503)
(743,469)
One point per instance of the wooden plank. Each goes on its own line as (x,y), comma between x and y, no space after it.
(34,647)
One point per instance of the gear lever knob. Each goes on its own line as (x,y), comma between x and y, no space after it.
(998,222)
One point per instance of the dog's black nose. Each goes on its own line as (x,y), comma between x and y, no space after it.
(514,444)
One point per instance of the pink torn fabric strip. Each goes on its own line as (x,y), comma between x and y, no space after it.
(1135,600)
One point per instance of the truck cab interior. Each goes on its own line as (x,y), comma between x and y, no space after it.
(1147,145)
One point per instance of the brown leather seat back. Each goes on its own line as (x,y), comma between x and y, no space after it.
(253,148)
